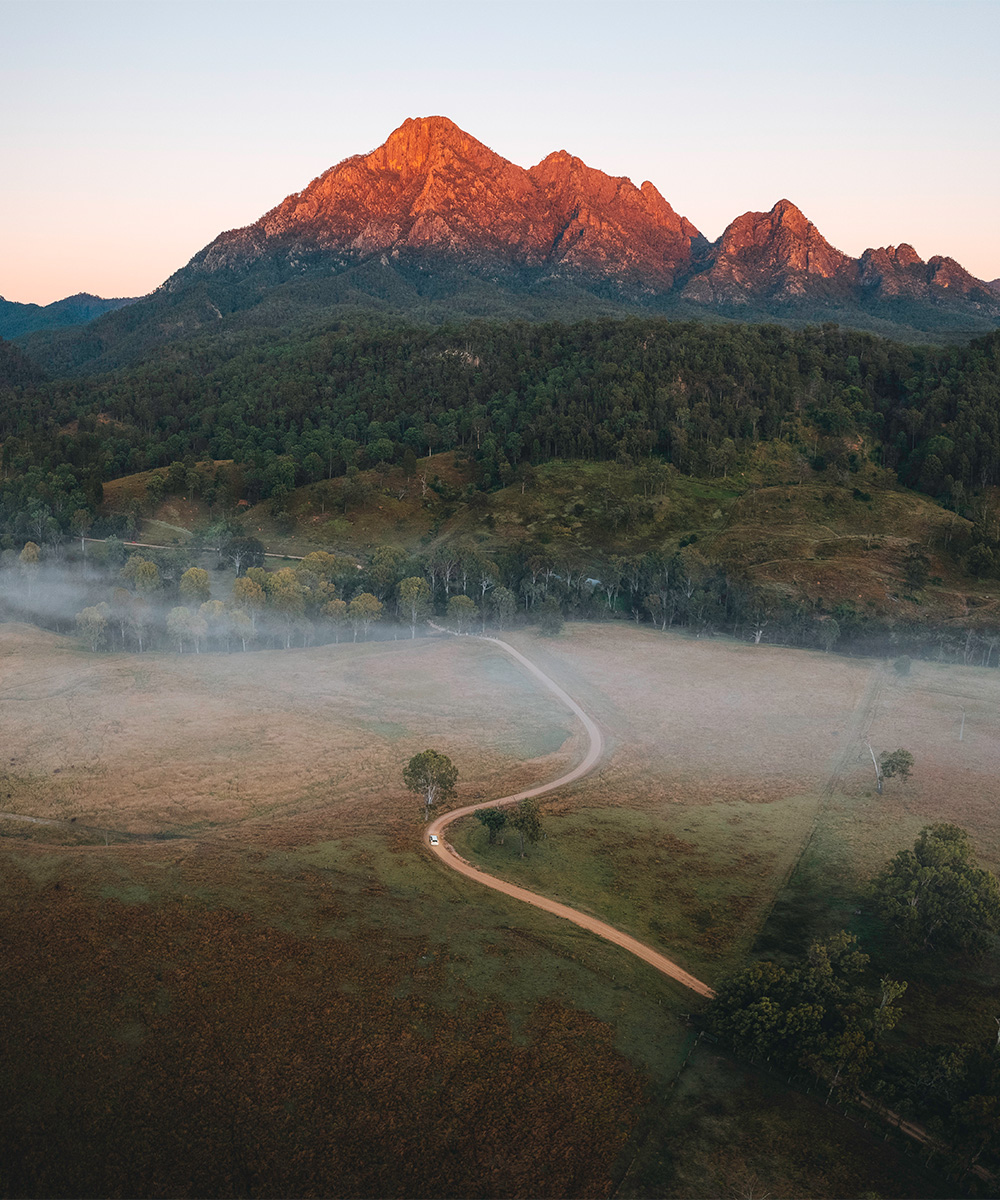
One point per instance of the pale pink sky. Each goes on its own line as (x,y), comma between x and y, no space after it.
(134,132)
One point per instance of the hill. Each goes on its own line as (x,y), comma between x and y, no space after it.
(772,552)
(17,319)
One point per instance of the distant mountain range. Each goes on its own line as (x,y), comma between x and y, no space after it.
(434,225)
(17,319)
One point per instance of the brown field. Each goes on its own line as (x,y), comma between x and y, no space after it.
(716,722)
(235,971)
(167,743)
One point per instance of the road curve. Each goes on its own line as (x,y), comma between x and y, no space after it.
(451,858)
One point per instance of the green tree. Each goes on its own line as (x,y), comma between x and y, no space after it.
(414,601)
(241,551)
(195,586)
(896,762)
(386,569)
(118,610)
(431,776)
(140,617)
(890,763)
(494,819)
(80,523)
(29,560)
(142,574)
(147,578)
(321,564)
(92,623)
(936,894)
(335,611)
(364,611)
(179,626)
(503,605)
(550,618)
(250,598)
(242,626)
(217,619)
(815,1013)
(286,598)
(462,612)
(526,819)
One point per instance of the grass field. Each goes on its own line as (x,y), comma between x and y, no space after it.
(237,972)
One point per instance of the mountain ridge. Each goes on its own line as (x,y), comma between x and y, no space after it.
(17,318)
(432,187)
(433,225)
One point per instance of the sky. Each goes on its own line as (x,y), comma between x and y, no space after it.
(136,131)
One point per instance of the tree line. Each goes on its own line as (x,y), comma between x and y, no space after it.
(166,599)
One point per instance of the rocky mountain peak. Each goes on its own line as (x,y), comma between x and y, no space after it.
(422,143)
(432,192)
(774,254)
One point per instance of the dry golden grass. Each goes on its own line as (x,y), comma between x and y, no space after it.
(693,721)
(161,742)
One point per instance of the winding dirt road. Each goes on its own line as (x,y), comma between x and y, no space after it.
(451,858)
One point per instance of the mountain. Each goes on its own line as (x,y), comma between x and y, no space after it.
(17,319)
(433,226)
(772,256)
(435,190)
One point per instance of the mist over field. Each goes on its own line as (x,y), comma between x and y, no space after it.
(250,808)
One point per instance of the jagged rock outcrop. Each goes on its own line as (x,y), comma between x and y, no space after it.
(434,225)
(433,191)
(774,255)
(609,226)
(433,188)
(892,272)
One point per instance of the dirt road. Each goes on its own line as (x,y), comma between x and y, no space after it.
(451,858)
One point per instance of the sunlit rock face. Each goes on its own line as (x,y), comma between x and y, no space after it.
(773,254)
(898,271)
(432,187)
(434,198)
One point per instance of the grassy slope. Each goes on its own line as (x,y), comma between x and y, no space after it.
(803,535)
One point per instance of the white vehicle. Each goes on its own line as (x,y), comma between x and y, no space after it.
(434,839)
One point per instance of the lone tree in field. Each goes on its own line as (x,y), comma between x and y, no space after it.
(432,776)
(935,894)
(494,819)
(898,762)
(890,763)
(527,821)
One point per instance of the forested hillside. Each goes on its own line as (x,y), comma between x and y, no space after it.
(336,420)
(296,410)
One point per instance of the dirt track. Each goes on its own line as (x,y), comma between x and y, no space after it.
(450,857)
